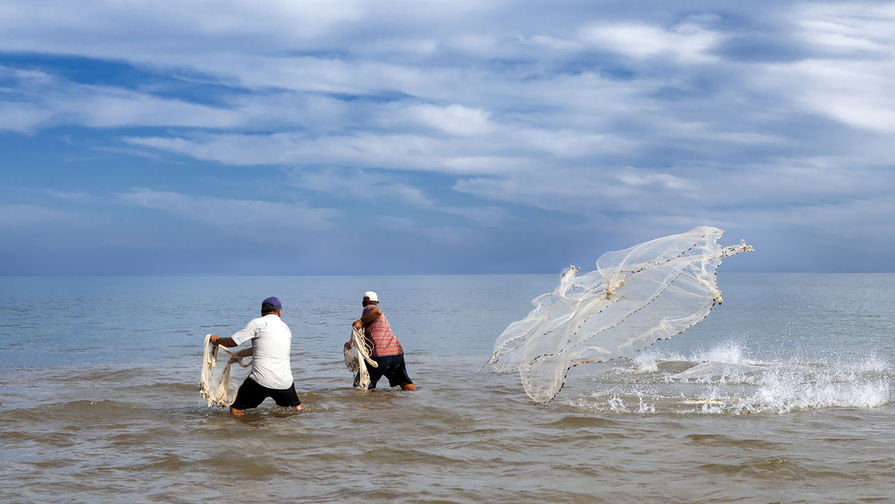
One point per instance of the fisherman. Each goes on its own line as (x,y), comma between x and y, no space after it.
(271,374)
(386,350)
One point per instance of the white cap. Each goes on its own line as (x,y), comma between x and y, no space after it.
(370,295)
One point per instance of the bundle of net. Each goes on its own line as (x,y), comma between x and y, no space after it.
(636,296)
(216,391)
(358,360)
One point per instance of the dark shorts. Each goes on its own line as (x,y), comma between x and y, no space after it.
(392,367)
(250,395)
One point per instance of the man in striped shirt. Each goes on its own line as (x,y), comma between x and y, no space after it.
(387,352)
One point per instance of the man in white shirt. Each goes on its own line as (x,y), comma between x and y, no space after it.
(271,374)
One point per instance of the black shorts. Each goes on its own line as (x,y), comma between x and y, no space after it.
(250,395)
(392,367)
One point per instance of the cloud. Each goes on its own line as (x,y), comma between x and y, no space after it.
(453,119)
(68,195)
(851,69)
(41,100)
(233,215)
(361,185)
(393,151)
(688,42)
(473,114)
(848,29)
(377,188)
(585,191)
(396,151)
(856,93)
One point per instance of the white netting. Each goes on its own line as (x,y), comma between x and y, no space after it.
(217,391)
(635,297)
(357,361)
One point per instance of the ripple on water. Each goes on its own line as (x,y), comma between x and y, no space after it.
(757,468)
(723,441)
(582,421)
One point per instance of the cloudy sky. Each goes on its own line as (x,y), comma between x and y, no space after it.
(366,137)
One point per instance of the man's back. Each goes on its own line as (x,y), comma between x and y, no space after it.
(271,351)
(379,332)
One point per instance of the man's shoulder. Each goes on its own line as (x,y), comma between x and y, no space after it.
(266,321)
(273,320)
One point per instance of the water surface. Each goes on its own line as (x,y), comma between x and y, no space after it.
(782,395)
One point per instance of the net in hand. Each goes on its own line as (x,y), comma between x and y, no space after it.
(357,361)
(217,391)
(635,297)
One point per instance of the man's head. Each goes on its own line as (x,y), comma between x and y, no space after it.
(370,297)
(271,305)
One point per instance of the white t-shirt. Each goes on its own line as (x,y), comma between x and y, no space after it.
(271,348)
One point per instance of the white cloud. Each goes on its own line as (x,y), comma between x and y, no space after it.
(847,28)
(498,152)
(857,93)
(43,100)
(148,26)
(557,43)
(598,110)
(687,42)
(851,73)
(688,192)
(490,164)
(392,151)
(453,119)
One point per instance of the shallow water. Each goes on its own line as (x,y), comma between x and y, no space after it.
(782,395)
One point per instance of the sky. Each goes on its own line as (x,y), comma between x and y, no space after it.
(429,137)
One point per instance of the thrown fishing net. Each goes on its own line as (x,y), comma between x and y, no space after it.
(216,391)
(635,297)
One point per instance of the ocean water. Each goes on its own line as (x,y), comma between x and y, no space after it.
(783,394)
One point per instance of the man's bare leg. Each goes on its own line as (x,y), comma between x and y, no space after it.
(238,413)
(408,386)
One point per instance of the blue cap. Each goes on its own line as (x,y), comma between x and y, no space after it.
(273,301)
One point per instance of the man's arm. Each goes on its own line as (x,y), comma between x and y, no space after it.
(368,318)
(217,340)
(241,336)
(245,352)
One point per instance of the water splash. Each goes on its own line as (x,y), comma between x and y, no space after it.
(725,380)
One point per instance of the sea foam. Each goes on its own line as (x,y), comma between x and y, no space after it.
(726,380)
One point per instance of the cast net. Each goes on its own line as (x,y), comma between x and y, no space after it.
(216,391)
(635,297)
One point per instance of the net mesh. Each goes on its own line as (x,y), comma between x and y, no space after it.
(216,391)
(635,297)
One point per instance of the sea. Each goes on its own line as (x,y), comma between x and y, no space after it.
(783,394)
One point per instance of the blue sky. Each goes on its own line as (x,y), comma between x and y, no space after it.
(363,137)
